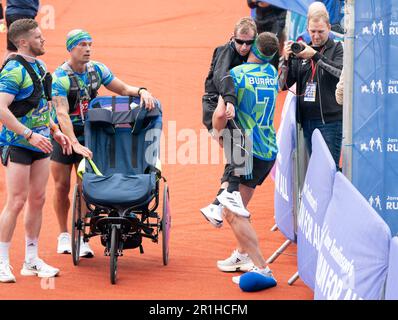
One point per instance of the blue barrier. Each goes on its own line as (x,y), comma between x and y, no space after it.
(315,198)
(374,111)
(353,257)
(284,201)
(392,279)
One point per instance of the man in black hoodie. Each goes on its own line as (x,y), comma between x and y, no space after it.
(219,83)
(16,10)
(316,71)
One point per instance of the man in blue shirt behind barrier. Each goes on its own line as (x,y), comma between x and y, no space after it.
(16,10)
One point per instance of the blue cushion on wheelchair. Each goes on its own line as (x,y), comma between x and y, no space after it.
(118,189)
(253,281)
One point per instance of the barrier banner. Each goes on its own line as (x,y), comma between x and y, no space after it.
(375,107)
(315,197)
(284,179)
(353,256)
(392,279)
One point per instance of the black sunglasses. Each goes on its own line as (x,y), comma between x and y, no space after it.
(247,42)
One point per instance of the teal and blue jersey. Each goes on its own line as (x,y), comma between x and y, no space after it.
(15,80)
(61,84)
(256,87)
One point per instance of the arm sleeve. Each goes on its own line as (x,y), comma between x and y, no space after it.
(61,84)
(291,77)
(234,81)
(222,77)
(105,73)
(11,79)
(334,65)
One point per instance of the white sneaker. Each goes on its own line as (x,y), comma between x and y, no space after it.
(233,202)
(265,272)
(37,267)
(236,262)
(85,250)
(6,273)
(213,214)
(64,243)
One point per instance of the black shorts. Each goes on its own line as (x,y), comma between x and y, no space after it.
(58,156)
(261,170)
(209,104)
(20,155)
(10,19)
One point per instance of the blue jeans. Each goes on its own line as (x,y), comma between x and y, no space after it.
(332,133)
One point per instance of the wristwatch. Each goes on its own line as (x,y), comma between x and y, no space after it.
(26,132)
(139,90)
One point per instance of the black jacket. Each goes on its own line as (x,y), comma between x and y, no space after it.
(329,65)
(219,80)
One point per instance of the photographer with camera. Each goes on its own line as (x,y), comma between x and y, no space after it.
(316,69)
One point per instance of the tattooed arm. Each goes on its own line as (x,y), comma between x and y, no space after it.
(62,108)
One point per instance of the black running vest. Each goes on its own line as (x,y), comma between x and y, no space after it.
(74,95)
(40,86)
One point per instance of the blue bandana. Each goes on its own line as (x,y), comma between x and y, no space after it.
(259,55)
(76,37)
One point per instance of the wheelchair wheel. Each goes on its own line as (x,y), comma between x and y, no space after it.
(114,253)
(166,224)
(76,225)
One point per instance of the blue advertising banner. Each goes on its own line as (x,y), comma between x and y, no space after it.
(315,198)
(392,280)
(283,197)
(353,256)
(297,25)
(375,107)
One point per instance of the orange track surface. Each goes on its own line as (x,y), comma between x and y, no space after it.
(167,47)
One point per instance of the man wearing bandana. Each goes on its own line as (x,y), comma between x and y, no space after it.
(75,83)
(256,87)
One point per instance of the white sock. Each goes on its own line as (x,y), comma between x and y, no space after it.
(30,249)
(4,251)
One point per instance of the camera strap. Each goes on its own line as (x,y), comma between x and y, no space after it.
(313,70)
(310,89)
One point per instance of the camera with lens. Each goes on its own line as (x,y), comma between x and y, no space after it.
(297,47)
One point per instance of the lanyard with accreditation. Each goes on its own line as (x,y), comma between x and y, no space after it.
(310,89)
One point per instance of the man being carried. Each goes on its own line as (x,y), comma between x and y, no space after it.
(216,116)
(256,87)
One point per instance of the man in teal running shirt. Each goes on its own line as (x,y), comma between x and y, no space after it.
(256,86)
(25,147)
(76,82)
